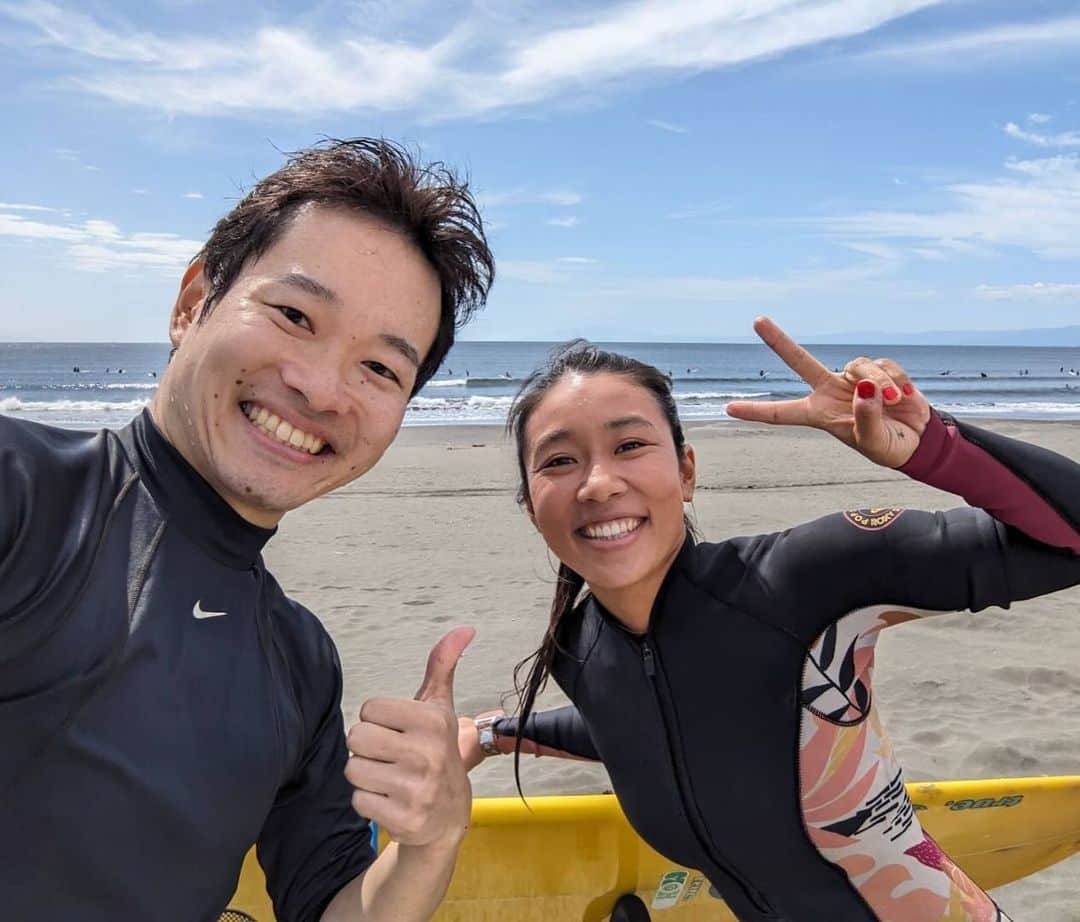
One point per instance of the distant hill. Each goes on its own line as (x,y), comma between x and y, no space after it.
(1048,336)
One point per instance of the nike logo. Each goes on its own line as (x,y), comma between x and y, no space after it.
(200,614)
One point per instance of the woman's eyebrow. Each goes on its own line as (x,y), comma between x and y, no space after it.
(548,439)
(632,419)
(557,435)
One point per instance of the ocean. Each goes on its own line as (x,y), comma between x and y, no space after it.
(477,382)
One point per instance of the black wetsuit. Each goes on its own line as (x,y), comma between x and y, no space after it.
(740,732)
(163,704)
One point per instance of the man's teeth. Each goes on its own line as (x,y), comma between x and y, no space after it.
(615,529)
(281,430)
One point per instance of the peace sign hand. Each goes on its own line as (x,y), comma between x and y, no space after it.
(872,406)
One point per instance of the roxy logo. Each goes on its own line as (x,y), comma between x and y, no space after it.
(873,519)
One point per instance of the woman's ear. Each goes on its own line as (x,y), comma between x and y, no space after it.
(688,474)
(189,302)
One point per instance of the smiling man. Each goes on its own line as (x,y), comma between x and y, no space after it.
(163,703)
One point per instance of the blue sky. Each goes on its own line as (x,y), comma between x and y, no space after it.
(652,169)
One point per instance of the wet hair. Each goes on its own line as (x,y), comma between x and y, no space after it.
(427,204)
(585,358)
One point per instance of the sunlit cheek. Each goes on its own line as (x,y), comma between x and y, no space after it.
(553,516)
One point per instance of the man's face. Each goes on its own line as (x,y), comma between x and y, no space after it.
(298,379)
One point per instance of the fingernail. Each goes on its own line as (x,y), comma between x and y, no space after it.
(890,393)
(866,389)
(908,389)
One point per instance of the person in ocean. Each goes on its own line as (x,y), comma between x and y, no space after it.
(164,705)
(727,687)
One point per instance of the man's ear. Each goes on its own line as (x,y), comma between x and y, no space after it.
(688,474)
(189,302)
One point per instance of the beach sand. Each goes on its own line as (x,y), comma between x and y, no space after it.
(433,538)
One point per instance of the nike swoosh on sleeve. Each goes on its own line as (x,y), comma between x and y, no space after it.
(199,613)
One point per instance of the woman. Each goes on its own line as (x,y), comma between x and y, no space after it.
(726,687)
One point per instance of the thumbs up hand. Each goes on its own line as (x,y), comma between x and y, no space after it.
(405,766)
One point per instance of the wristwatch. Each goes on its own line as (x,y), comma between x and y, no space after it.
(485,729)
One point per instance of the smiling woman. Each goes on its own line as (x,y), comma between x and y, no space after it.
(727,687)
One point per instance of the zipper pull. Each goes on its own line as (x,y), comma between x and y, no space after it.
(647,656)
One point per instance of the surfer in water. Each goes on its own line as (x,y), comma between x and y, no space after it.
(727,686)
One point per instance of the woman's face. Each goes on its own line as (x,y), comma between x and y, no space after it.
(605,485)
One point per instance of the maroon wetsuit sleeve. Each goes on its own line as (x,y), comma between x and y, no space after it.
(947,460)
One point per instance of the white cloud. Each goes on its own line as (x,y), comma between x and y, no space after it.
(1034,206)
(71,29)
(511,197)
(67,154)
(478,65)
(194,195)
(992,44)
(877,250)
(700,210)
(140,191)
(96,246)
(13,225)
(668,126)
(750,288)
(533,272)
(569,221)
(1065,139)
(6,206)
(1038,118)
(542,272)
(1033,291)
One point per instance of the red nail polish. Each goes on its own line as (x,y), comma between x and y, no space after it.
(890,393)
(908,389)
(866,389)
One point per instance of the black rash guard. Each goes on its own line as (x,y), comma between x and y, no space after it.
(740,731)
(163,704)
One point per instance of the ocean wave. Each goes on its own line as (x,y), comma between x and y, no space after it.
(80,386)
(474,401)
(448,382)
(15,405)
(475,383)
(127,386)
(1011,408)
(740,379)
(720,395)
(997,393)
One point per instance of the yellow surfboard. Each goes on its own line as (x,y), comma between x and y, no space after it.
(571,858)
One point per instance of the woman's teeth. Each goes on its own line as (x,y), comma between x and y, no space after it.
(281,430)
(614,529)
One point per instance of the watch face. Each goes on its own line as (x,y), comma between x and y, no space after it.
(487,739)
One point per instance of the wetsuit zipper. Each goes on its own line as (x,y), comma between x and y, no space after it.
(755,897)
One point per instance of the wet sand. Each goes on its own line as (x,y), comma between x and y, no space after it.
(433,538)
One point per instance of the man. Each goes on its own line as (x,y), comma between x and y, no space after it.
(163,704)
